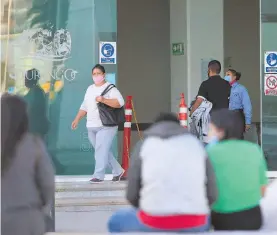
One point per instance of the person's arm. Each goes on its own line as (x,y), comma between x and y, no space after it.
(211,187)
(111,102)
(134,177)
(202,95)
(45,176)
(83,109)
(247,106)
(116,100)
(196,104)
(80,115)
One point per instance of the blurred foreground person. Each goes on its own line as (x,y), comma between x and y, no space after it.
(240,171)
(269,207)
(27,182)
(170,183)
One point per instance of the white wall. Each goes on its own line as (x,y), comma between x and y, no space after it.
(205,38)
(199,24)
(226,30)
(178,33)
(242,45)
(143,55)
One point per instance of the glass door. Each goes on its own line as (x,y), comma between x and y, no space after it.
(60,38)
(269,81)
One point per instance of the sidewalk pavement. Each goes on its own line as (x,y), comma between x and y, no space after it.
(93,222)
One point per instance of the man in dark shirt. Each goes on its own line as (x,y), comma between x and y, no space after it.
(215,89)
(36,104)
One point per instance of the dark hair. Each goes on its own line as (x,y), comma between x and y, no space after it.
(171,117)
(32,77)
(32,74)
(214,66)
(229,121)
(100,67)
(14,124)
(235,73)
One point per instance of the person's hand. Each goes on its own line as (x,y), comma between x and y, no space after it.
(74,124)
(99,99)
(247,127)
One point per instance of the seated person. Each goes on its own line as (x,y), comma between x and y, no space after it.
(170,183)
(240,171)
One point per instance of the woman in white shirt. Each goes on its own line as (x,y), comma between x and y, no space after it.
(101,137)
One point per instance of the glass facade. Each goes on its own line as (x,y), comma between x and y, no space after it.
(60,38)
(269,102)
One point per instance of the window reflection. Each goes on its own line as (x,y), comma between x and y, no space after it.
(58,38)
(269,103)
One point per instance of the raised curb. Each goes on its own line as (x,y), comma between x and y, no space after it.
(85,186)
(103,201)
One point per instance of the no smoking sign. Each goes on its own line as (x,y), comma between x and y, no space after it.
(270,86)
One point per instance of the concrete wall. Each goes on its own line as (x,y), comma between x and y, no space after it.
(242,45)
(213,30)
(179,70)
(144,57)
(199,25)
(227,30)
(205,39)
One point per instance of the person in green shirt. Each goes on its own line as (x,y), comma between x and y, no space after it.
(240,171)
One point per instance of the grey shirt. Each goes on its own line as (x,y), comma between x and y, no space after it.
(163,130)
(29,181)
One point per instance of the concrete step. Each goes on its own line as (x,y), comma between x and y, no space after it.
(87,186)
(90,197)
(96,201)
(90,204)
(90,190)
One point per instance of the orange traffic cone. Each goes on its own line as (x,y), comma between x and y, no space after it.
(183,111)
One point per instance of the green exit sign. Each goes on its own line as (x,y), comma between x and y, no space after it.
(178,48)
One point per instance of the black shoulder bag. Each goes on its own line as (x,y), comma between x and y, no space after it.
(110,116)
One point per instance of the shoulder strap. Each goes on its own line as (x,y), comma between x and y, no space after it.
(108,88)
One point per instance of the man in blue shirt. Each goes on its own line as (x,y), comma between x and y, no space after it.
(239,98)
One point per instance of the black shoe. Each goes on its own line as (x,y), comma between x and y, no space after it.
(118,178)
(95,180)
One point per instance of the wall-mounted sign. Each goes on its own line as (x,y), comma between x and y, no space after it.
(107,53)
(270,62)
(270,84)
(178,48)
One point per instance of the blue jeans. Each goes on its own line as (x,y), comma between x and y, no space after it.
(126,220)
(101,139)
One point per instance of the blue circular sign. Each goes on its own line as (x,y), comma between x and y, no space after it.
(107,50)
(271,59)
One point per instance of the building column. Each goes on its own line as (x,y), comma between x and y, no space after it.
(199,25)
